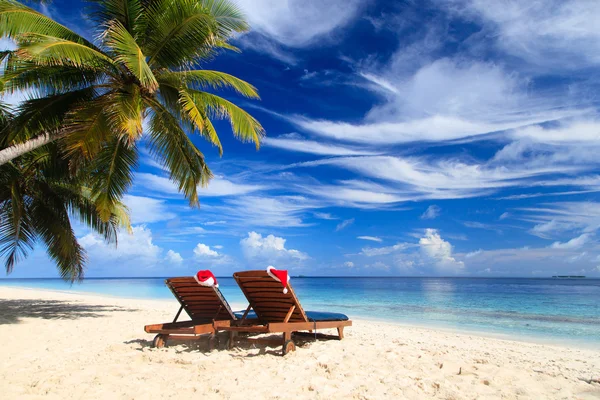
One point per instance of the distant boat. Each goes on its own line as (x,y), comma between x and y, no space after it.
(569,276)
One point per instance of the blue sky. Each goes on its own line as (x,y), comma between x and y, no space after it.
(448,137)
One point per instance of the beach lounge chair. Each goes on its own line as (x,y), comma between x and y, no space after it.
(202,300)
(276,309)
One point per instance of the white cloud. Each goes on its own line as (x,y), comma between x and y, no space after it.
(298,23)
(344,224)
(380,251)
(473,253)
(136,250)
(444,100)
(504,216)
(571,132)
(217,187)
(211,223)
(264,45)
(432,212)
(326,216)
(557,218)
(354,193)
(371,238)
(547,33)
(575,243)
(481,225)
(173,257)
(419,178)
(313,147)
(278,211)
(439,251)
(146,209)
(270,249)
(201,250)
(349,264)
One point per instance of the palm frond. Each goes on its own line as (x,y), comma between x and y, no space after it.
(125,112)
(17,19)
(169,143)
(47,80)
(229,17)
(127,53)
(197,115)
(112,174)
(43,115)
(179,33)
(17,234)
(130,13)
(52,223)
(205,79)
(88,130)
(244,126)
(49,50)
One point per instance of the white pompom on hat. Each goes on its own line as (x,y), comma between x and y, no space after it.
(280,275)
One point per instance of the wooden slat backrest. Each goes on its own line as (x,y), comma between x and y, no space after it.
(202,303)
(267,299)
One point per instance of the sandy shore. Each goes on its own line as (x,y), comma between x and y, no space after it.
(62,345)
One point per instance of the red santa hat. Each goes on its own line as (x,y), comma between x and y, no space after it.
(206,278)
(280,275)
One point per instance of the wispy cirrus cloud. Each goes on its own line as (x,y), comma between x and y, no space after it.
(550,34)
(217,187)
(344,224)
(432,212)
(314,147)
(370,238)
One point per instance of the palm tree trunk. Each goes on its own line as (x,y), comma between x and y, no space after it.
(16,150)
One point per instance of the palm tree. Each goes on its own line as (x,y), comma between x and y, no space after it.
(38,197)
(93,101)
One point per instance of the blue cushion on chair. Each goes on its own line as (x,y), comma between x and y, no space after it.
(313,316)
(240,314)
(318,316)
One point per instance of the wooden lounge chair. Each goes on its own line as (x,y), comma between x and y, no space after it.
(278,312)
(205,305)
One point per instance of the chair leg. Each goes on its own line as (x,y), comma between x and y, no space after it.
(212,342)
(288,343)
(230,341)
(340,332)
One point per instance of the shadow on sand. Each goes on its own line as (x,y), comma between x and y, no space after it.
(12,311)
(202,346)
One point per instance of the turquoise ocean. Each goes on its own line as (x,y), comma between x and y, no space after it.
(554,310)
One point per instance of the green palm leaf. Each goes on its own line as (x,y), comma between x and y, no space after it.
(179,33)
(229,17)
(197,115)
(51,220)
(210,79)
(17,234)
(112,174)
(127,52)
(244,126)
(17,19)
(130,13)
(169,143)
(49,50)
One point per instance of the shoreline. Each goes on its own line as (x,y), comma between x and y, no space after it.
(536,340)
(72,345)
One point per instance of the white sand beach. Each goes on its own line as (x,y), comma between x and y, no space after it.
(61,345)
